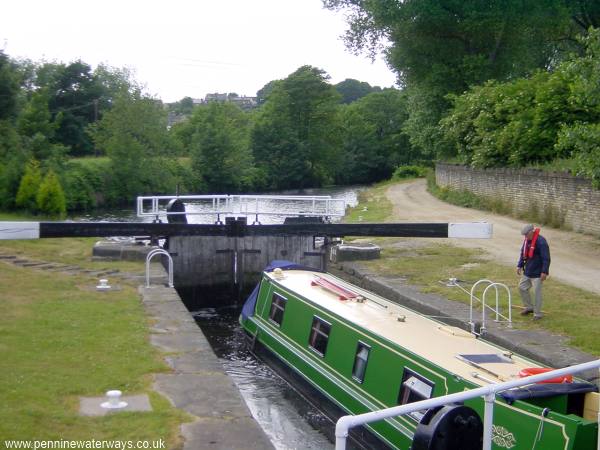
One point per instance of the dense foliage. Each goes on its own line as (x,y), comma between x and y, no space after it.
(73,138)
(533,120)
(495,83)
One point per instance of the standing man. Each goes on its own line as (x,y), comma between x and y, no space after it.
(534,267)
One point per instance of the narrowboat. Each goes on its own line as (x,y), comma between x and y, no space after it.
(364,353)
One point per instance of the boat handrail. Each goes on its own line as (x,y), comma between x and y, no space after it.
(345,423)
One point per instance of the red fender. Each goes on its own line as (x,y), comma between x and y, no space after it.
(537,370)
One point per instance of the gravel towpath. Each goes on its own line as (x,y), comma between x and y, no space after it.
(575,256)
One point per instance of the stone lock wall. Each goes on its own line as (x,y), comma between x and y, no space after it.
(572,198)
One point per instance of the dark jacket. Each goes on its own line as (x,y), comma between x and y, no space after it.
(539,263)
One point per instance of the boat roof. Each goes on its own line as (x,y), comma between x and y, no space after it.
(451,348)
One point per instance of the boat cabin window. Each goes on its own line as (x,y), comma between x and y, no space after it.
(414,388)
(360,362)
(319,335)
(277,308)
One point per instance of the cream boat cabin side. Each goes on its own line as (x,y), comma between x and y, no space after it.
(365,353)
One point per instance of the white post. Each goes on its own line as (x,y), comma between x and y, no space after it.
(488,420)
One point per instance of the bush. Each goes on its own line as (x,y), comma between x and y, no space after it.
(84,183)
(403,172)
(29,187)
(51,197)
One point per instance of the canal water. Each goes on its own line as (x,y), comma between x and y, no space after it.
(289,419)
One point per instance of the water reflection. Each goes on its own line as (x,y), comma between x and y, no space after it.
(285,416)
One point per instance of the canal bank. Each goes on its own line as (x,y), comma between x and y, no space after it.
(548,348)
(198,383)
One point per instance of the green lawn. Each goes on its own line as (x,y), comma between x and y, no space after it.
(61,339)
(569,311)
(373,205)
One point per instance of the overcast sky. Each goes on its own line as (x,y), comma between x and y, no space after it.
(188,47)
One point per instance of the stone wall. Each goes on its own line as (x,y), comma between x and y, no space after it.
(571,199)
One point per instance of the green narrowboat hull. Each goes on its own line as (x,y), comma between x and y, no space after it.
(517,426)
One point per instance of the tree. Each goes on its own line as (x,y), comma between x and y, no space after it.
(296,139)
(134,136)
(185,106)
(9,88)
(74,104)
(580,136)
(584,13)
(373,142)
(444,47)
(351,89)
(50,198)
(12,163)
(29,186)
(264,92)
(221,157)
(529,120)
(37,129)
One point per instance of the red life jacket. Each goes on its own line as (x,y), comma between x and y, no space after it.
(529,246)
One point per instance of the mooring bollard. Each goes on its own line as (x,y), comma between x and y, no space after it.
(114,400)
(103,286)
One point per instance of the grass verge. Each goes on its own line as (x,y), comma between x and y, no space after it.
(373,205)
(568,311)
(61,339)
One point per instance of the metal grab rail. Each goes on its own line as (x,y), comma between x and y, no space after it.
(472,297)
(482,301)
(487,392)
(152,254)
(308,205)
(498,315)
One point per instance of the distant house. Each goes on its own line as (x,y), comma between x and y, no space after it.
(216,98)
(242,101)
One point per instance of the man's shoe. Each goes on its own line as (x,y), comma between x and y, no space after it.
(526,311)
(537,317)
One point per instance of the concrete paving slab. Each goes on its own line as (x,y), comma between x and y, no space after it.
(165,325)
(178,342)
(194,362)
(234,434)
(90,406)
(198,384)
(208,394)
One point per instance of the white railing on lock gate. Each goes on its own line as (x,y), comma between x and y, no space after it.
(345,423)
(248,205)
